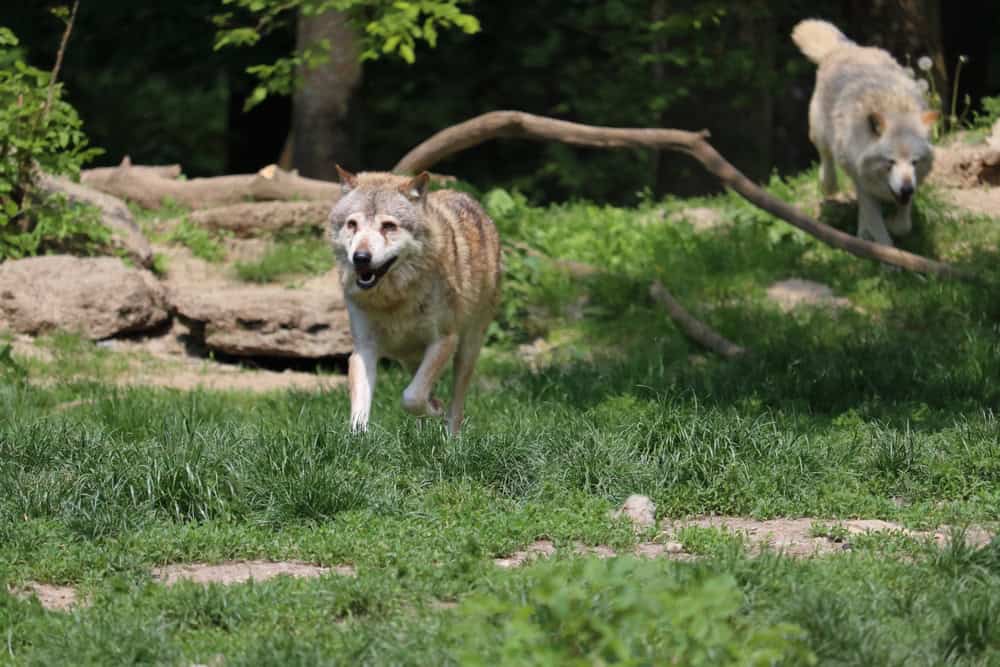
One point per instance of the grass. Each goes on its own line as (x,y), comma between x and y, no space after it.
(887,411)
(288,258)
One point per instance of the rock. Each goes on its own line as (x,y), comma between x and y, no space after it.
(307,323)
(125,233)
(701,218)
(795,292)
(250,219)
(98,297)
(640,510)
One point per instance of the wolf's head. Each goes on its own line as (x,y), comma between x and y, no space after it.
(899,155)
(377,223)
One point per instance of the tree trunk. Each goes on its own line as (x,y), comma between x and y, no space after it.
(324,120)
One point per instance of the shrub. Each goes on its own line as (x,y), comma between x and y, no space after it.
(619,611)
(39,131)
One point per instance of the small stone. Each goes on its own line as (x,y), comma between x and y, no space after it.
(640,510)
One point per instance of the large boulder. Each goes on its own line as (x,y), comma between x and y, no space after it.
(97,297)
(306,323)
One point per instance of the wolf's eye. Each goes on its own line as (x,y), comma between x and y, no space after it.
(388,227)
(351,225)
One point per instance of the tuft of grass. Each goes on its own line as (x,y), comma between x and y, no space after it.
(288,258)
(200,242)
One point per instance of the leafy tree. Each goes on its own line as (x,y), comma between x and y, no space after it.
(389,27)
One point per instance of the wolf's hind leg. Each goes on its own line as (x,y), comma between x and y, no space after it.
(417,396)
(469,346)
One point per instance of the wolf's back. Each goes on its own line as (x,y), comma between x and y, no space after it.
(816,39)
(469,250)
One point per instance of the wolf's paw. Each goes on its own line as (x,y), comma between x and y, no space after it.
(419,406)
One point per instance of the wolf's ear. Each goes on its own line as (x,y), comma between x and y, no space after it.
(876,121)
(929,118)
(416,187)
(347,180)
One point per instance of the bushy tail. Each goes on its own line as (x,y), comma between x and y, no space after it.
(817,38)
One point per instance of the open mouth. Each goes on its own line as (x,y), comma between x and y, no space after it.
(904,198)
(369,277)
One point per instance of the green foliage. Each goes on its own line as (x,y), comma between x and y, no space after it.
(288,257)
(199,241)
(10,369)
(389,28)
(36,134)
(623,612)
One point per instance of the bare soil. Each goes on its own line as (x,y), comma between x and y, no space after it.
(51,597)
(241,571)
(791,537)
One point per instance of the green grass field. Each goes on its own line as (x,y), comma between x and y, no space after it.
(885,410)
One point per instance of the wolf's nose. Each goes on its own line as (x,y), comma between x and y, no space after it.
(362,258)
(906,192)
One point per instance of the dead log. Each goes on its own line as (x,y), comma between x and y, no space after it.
(272,183)
(253,219)
(506,124)
(149,189)
(97,176)
(125,233)
(692,327)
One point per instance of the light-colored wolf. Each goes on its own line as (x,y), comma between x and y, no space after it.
(421,274)
(869,117)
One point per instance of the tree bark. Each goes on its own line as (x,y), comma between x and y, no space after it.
(325,128)
(498,124)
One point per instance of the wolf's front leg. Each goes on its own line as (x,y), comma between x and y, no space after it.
(417,396)
(827,174)
(361,371)
(870,223)
(901,223)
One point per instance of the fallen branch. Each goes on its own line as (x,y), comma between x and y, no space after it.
(148,188)
(97,176)
(692,327)
(499,124)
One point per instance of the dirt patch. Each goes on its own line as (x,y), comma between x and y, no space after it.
(980,201)
(795,293)
(701,218)
(538,548)
(238,572)
(51,597)
(797,538)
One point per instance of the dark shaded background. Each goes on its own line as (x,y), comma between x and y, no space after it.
(147,82)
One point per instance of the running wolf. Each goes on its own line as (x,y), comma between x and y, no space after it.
(421,276)
(868,117)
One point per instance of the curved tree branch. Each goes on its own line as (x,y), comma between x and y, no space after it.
(517,124)
(694,328)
